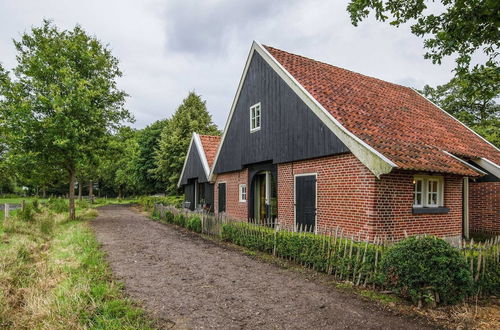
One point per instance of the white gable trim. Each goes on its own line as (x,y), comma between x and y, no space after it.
(489,166)
(465,163)
(201,152)
(377,163)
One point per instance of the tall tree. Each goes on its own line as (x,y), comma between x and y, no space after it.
(191,116)
(148,140)
(472,100)
(62,102)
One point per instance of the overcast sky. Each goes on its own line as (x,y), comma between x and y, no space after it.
(168,48)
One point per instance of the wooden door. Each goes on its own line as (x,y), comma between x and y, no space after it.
(305,202)
(222,197)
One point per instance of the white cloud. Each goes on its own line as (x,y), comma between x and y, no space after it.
(168,48)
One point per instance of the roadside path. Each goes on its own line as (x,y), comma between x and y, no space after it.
(190,282)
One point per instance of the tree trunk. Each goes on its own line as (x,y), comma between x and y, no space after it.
(72,179)
(91,191)
(80,188)
(44,192)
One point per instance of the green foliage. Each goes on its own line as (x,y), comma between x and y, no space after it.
(472,99)
(194,224)
(343,256)
(27,213)
(461,27)
(180,220)
(57,205)
(417,267)
(148,140)
(169,217)
(62,101)
(149,201)
(191,116)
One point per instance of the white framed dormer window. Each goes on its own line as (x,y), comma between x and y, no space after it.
(428,191)
(243,192)
(255,118)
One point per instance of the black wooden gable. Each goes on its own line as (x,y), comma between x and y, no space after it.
(289,131)
(193,168)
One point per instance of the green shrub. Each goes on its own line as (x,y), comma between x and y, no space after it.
(323,253)
(82,204)
(194,224)
(27,213)
(417,267)
(180,220)
(58,205)
(149,201)
(169,217)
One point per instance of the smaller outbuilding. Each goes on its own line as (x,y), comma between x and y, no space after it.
(198,191)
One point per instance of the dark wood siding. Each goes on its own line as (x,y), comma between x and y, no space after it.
(289,131)
(194,168)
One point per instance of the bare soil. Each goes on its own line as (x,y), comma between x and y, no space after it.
(190,282)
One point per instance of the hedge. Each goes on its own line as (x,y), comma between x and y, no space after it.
(148,202)
(347,259)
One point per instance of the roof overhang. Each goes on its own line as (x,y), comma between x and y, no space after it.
(489,166)
(196,141)
(377,163)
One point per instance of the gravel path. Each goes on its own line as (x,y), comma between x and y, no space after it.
(189,282)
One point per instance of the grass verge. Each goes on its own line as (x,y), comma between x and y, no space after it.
(53,275)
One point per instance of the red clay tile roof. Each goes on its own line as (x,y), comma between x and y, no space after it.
(394,120)
(210,144)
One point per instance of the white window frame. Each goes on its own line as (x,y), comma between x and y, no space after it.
(254,116)
(243,186)
(425,190)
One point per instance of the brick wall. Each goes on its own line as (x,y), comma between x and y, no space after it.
(393,208)
(351,197)
(484,207)
(345,192)
(234,208)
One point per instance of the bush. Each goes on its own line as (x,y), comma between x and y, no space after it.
(58,205)
(82,204)
(320,252)
(148,201)
(194,224)
(169,217)
(27,213)
(416,268)
(180,220)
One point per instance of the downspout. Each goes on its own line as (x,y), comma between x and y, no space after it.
(465,209)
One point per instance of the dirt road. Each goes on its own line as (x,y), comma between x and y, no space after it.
(190,282)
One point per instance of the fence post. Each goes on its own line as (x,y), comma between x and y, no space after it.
(22,205)
(6,215)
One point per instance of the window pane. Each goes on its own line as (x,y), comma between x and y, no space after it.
(257,121)
(417,192)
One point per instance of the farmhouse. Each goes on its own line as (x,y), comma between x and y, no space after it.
(316,146)
(198,191)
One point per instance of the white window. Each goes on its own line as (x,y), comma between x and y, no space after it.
(243,192)
(255,120)
(428,191)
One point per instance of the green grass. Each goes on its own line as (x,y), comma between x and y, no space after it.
(18,200)
(54,276)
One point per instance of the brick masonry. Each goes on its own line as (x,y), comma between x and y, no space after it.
(484,207)
(351,197)
(234,208)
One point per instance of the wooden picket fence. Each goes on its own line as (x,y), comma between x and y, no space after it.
(346,257)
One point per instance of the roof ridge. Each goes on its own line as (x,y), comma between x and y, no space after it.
(337,67)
